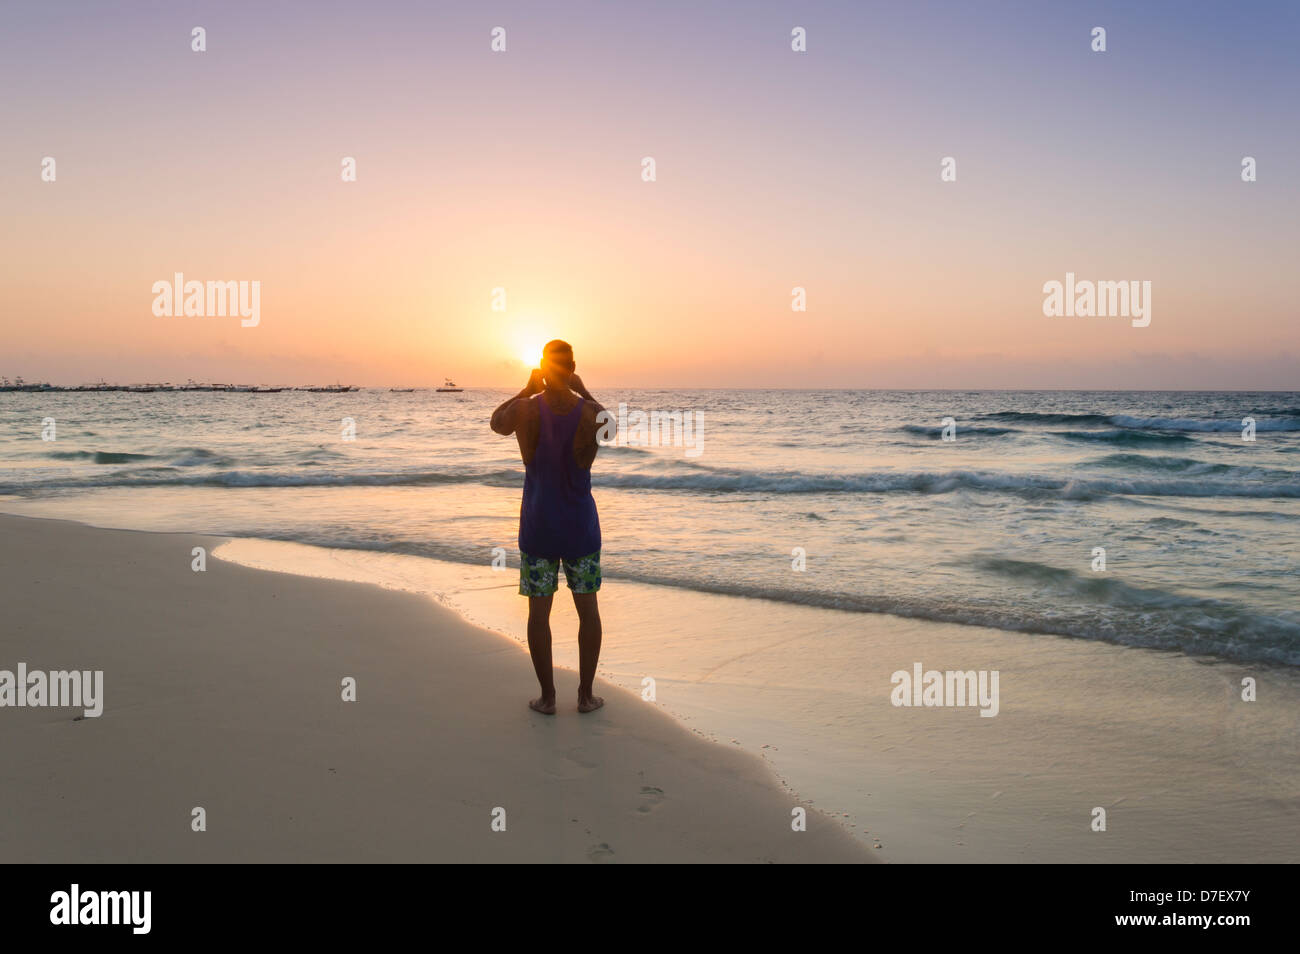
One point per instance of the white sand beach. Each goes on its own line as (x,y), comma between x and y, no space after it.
(1185,769)
(222,691)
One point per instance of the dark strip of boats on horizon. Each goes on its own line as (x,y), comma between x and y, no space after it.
(18,384)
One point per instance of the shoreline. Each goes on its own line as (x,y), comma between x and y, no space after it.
(1158,739)
(222,692)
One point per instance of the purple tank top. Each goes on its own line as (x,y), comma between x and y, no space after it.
(558,515)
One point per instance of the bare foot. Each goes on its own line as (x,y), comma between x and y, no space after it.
(543,705)
(590,704)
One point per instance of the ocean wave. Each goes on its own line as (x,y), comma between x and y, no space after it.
(1160,621)
(1191,467)
(180,457)
(198,457)
(99,457)
(964,431)
(1029,485)
(1038,417)
(704,480)
(1095,608)
(1125,438)
(1272,419)
(1155,618)
(164,476)
(1203,426)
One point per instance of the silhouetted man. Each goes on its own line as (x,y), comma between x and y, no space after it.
(554,420)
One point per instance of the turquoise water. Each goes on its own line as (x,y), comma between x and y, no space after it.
(997,527)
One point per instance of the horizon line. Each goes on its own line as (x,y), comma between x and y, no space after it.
(38,387)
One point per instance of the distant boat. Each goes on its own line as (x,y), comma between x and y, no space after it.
(401,390)
(331,389)
(20,385)
(449,385)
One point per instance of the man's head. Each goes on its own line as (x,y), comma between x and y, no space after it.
(557,364)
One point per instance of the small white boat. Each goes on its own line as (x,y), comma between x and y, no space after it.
(449,385)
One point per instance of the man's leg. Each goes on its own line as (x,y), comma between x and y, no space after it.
(588,649)
(539,647)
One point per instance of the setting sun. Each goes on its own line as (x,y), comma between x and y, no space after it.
(527,346)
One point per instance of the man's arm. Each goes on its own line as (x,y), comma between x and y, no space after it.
(597,422)
(506,417)
(580,389)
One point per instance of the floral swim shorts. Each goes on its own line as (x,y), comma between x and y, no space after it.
(539,576)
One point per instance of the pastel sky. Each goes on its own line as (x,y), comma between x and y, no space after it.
(522,170)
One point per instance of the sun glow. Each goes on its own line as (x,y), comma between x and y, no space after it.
(527,345)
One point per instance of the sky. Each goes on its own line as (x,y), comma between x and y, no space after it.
(522,170)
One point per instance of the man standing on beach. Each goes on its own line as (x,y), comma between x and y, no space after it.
(554,418)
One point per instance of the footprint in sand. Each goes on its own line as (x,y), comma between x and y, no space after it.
(651,797)
(579,758)
(571,766)
(599,853)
